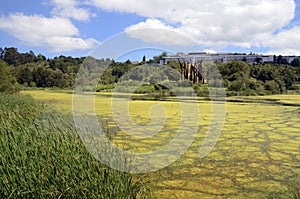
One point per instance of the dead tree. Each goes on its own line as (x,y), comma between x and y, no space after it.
(200,72)
(191,70)
(186,70)
(181,69)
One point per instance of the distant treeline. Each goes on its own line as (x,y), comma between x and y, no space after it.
(19,70)
(258,79)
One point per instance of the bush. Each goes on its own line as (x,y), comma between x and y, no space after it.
(145,89)
(272,86)
(102,87)
(8,83)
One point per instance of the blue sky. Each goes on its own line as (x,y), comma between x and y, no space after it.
(71,27)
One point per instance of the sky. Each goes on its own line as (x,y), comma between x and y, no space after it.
(76,28)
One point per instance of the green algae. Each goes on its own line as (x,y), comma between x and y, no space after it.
(256,156)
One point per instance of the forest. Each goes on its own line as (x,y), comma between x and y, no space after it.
(27,70)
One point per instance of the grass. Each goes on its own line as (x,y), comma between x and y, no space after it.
(257,155)
(41,156)
(294,190)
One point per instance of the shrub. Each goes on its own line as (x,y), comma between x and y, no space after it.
(272,86)
(8,83)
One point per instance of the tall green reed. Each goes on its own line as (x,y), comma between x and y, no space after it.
(41,156)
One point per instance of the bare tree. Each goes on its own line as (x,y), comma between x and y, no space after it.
(191,70)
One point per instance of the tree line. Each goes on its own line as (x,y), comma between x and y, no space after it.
(258,79)
(19,70)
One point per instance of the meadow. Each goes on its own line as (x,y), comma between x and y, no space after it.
(256,156)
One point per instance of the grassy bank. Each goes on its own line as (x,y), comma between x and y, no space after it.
(41,156)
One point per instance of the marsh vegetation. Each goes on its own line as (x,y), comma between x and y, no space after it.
(256,156)
(43,157)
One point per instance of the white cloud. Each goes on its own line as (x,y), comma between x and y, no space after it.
(242,23)
(286,52)
(287,38)
(160,34)
(55,34)
(70,43)
(70,9)
(286,42)
(215,24)
(210,51)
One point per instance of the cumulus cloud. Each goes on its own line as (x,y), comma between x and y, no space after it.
(70,43)
(210,51)
(242,23)
(71,9)
(287,38)
(56,34)
(286,42)
(160,34)
(214,24)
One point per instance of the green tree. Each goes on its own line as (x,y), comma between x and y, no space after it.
(144,59)
(12,56)
(295,62)
(272,86)
(266,73)
(284,61)
(23,74)
(287,75)
(119,69)
(40,57)
(279,59)
(175,65)
(240,76)
(157,58)
(1,53)
(59,79)
(7,81)
(28,57)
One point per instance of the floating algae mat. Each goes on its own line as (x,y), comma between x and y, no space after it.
(256,156)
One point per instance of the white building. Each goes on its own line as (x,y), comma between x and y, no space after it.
(224,57)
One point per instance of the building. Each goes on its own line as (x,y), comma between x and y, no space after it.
(224,58)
